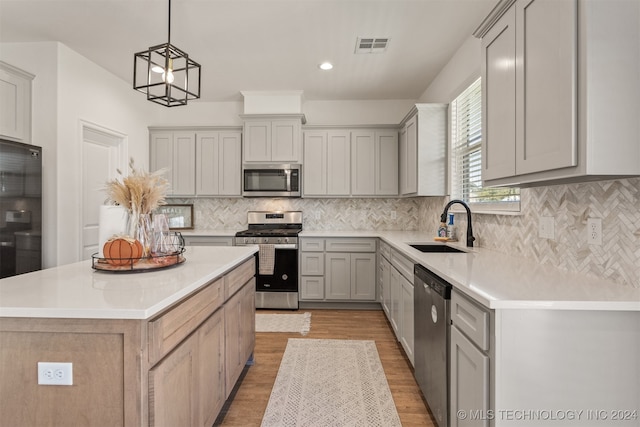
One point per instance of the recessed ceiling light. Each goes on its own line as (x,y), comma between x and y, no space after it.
(325,66)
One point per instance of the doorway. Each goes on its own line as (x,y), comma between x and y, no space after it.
(104,151)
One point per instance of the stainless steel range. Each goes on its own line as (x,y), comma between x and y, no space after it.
(276,233)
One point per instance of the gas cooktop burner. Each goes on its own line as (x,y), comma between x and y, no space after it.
(271,228)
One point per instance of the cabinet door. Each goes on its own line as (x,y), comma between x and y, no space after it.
(285,140)
(407,337)
(338,276)
(499,99)
(546,33)
(338,163)
(312,263)
(402,161)
(315,163)
(207,164)
(411,156)
(363,276)
(184,161)
(172,387)
(248,317)
(233,341)
(363,162)
(161,155)
(210,373)
(15,104)
(312,287)
(385,272)
(386,163)
(230,164)
(257,141)
(395,295)
(469,382)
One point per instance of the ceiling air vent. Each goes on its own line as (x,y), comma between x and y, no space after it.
(371,44)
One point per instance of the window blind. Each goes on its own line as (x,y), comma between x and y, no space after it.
(466,155)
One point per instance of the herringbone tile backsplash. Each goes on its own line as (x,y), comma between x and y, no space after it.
(617,202)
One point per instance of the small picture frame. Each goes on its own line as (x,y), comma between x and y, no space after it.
(179,217)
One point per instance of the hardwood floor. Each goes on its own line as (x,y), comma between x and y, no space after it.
(249,399)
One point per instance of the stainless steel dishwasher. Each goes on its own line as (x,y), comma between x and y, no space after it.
(432,322)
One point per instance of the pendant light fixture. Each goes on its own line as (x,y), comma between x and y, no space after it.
(166,74)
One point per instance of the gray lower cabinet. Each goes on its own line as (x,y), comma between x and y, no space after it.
(337,269)
(406,310)
(396,295)
(384,277)
(350,276)
(469,363)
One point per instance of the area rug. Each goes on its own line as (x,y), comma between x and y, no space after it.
(283,323)
(330,383)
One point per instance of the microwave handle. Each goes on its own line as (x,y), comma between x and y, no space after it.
(288,174)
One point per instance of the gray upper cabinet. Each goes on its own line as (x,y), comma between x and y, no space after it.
(560,96)
(198,162)
(350,162)
(218,163)
(423,151)
(327,166)
(276,139)
(175,152)
(15,103)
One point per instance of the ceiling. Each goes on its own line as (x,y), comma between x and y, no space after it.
(263,44)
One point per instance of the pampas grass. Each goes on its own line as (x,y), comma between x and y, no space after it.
(140,192)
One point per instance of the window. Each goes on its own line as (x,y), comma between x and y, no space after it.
(466,157)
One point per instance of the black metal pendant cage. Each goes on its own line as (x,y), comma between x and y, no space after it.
(167,75)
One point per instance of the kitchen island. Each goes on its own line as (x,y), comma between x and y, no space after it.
(155,348)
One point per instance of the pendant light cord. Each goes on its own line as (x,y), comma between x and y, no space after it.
(169,30)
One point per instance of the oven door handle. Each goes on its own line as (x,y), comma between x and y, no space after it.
(285,246)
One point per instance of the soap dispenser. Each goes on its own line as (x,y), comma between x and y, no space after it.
(451,229)
(442,230)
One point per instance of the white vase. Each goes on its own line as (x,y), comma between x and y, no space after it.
(112,221)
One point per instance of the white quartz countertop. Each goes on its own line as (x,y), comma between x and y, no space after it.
(78,291)
(207,232)
(501,281)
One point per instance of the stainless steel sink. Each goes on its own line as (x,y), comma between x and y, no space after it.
(434,248)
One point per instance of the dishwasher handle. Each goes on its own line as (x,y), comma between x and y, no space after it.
(437,284)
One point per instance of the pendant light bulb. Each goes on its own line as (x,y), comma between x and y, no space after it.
(168,77)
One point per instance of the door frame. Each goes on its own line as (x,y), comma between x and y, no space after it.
(118,146)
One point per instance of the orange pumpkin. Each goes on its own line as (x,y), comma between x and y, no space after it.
(121,251)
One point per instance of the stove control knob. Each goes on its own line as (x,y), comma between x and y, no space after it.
(253,240)
(265,240)
(286,240)
(279,240)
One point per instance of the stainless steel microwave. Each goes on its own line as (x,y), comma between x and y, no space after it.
(271,180)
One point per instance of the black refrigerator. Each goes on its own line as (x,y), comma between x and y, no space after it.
(20,208)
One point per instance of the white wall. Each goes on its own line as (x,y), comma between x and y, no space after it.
(68,89)
(373,112)
(198,113)
(462,70)
(386,112)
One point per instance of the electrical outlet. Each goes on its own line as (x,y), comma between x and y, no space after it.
(546,227)
(393,215)
(54,373)
(594,231)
